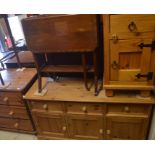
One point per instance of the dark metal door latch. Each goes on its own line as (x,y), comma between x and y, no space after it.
(152,46)
(149,76)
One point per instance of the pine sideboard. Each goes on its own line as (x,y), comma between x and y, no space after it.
(68,111)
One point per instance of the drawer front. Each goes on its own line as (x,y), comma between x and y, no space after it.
(85,108)
(13,112)
(126,26)
(11,98)
(16,124)
(47,106)
(128,109)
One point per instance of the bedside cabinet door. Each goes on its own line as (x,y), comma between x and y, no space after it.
(130,62)
(50,125)
(86,127)
(123,127)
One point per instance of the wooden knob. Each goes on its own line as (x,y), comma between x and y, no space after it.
(16,125)
(84,109)
(5,99)
(64,128)
(45,106)
(114,38)
(108,132)
(126,109)
(101,131)
(11,113)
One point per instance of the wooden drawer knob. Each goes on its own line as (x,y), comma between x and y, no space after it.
(16,125)
(108,132)
(126,109)
(5,99)
(64,128)
(84,109)
(45,106)
(11,113)
(101,131)
(114,38)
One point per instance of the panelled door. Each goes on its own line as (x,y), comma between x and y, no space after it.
(130,62)
(52,125)
(124,127)
(85,126)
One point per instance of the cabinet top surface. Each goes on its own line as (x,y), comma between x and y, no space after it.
(17,80)
(73,90)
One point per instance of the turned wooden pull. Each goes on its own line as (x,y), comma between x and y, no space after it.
(5,99)
(114,38)
(11,113)
(126,109)
(64,128)
(108,132)
(45,106)
(16,125)
(101,131)
(84,109)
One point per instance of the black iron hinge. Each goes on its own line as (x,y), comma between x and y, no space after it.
(149,75)
(152,46)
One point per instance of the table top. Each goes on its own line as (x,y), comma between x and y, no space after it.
(73,90)
(17,80)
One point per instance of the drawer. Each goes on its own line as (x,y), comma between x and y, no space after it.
(85,108)
(46,106)
(16,124)
(13,112)
(126,26)
(128,109)
(11,98)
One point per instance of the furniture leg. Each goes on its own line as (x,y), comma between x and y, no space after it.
(95,73)
(145,93)
(39,74)
(85,71)
(1,79)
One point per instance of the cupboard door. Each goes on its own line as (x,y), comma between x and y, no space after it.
(50,125)
(122,127)
(128,61)
(86,127)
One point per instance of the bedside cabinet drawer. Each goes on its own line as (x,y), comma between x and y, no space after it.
(11,98)
(16,124)
(13,112)
(135,25)
(128,109)
(85,108)
(46,106)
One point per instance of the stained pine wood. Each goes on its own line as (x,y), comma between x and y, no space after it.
(72,32)
(14,115)
(80,115)
(124,59)
(72,89)
(126,127)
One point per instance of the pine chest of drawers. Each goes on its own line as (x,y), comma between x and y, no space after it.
(129,53)
(14,115)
